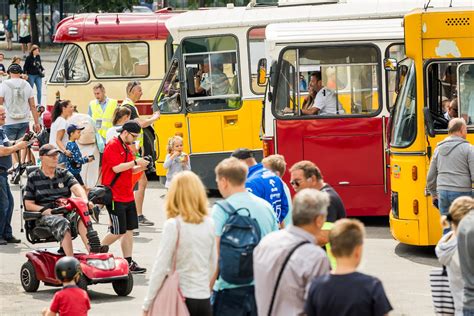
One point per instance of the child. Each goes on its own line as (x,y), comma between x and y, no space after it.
(176,160)
(345,291)
(71,300)
(75,162)
(447,248)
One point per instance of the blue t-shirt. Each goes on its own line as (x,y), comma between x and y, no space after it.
(74,163)
(350,294)
(268,186)
(5,161)
(259,209)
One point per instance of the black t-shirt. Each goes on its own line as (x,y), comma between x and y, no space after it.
(133,109)
(336,209)
(353,294)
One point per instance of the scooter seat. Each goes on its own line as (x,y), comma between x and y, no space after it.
(28,216)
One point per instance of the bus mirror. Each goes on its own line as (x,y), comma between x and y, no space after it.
(273,74)
(429,125)
(262,72)
(390,64)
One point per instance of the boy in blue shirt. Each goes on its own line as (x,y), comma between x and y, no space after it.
(75,162)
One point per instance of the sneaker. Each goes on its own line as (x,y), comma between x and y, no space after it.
(135,268)
(13,240)
(136,232)
(143,221)
(95,212)
(3,241)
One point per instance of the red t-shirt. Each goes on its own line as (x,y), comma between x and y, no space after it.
(114,155)
(71,300)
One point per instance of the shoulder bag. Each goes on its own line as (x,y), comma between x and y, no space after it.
(272,302)
(169,300)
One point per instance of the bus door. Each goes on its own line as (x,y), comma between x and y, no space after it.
(327,103)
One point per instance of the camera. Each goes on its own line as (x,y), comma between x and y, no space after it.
(28,136)
(151,166)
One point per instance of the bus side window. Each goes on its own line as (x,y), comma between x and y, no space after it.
(466,92)
(71,66)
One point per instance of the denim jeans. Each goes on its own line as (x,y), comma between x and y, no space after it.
(6,207)
(235,302)
(446,198)
(468,312)
(36,80)
(15,131)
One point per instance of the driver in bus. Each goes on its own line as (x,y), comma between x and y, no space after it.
(210,79)
(325,102)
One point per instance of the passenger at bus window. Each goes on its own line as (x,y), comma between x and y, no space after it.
(452,110)
(211,78)
(124,65)
(449,82)
(325,102)
(445,104)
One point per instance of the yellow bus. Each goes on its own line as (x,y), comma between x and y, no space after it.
(439,46)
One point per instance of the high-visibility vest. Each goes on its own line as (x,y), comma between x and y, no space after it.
(106,117)
(127,101)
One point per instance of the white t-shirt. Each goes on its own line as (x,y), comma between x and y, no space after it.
(327,103)
(111,133)
(7,95)
(58,125)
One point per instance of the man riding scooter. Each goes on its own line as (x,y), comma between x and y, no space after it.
(47,184)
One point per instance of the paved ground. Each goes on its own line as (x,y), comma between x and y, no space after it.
(403,270)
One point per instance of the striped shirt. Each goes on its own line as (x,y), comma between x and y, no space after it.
(44,190)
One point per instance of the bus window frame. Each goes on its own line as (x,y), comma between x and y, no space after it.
(426,65)
(249,59)
(387,92)
(470,61)
(155,99)
(185,82)
(324,45)
(416,109)
(120,77)
(58,64)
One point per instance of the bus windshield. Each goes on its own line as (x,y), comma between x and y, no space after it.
(404,116)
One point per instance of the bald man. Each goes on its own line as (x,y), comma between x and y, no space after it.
(451,172)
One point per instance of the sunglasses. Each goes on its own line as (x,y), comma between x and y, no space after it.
(133,85)
(134,135)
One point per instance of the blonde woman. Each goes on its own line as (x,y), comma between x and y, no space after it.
(196,254)
(447,250)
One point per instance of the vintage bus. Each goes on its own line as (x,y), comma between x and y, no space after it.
(439,67)
(348,145)
(111,49)
(231,41)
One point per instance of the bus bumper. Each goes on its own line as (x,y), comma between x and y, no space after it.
(405,231)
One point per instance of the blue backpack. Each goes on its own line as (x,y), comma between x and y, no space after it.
(240,236)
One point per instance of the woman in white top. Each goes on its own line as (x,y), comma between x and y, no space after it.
(62,111)
(196,258)
(121,115)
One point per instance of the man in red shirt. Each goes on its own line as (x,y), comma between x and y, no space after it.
(119,163)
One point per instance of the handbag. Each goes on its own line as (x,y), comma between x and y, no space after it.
(169,300)
(277,283)
(441,292)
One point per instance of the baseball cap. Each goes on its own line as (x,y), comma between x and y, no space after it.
(242,153)
(72,128)
(15,69)
(48,150)
(131,127)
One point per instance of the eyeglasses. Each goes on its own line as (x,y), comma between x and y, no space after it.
(134,135)
(295,183)
(133,85)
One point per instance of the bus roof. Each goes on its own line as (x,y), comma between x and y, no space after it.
(349,30)
(100,27)
(220,19)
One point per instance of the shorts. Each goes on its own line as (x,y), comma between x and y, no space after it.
(60,225)
(123,217)
(16,131)
(79,178)
(25,40)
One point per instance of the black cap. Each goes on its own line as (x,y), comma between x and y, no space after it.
(72,128)
(15,69)
(131,127)
(242,153)
(67,268)
(48,150)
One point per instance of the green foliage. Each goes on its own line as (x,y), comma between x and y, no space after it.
(105,6)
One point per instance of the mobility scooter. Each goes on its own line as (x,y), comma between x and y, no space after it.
(96,267)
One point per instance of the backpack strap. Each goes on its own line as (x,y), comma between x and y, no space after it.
(281,273)
(226,207)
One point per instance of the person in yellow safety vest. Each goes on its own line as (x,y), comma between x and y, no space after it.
(102,109)
(134,93)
